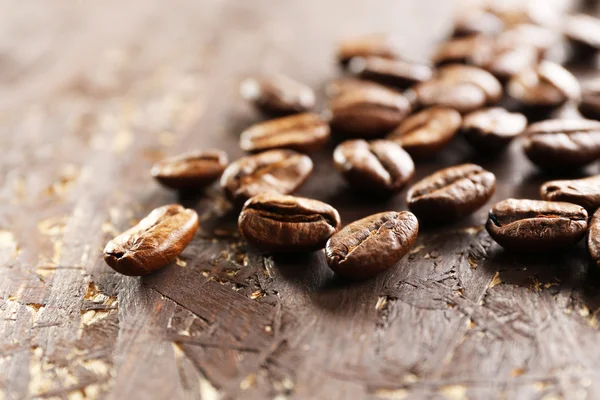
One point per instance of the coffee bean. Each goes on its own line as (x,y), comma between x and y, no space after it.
(452,193)
(563,143)
(424,134)
(535,225)
(584,192)
(474,21)
(584,31)
(302,132)
(380,166)
(461,87)
(367,112)
(154,242)
(371,245)
(398,73)
(543,39)
(277,94)
(337,87)
(367,45)
(284,224)
(593,239)
(544,88)
(590,99)
(492,129)
(273,171)
(505,61)
(461,50)
(191,171)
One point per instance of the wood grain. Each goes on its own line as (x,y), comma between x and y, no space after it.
(93,93)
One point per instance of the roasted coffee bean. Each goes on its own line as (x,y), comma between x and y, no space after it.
(584,192)
(154,242)
(273,171)
(368,112)
(535,225)
(593,239)
(380,166)
(461,87)
(461,50)
(284,224)
(378,45)
(505,61)
(426,133)
(584,31)
(302,132)
(563,143)
(544,88)
(590,99)
(475,21)
(337,87)
(278,94)
(191,171)
(371,245)
(492,129)
(452,193)
(398,73)
(530,35)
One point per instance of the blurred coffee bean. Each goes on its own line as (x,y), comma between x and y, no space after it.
(584,192)
(273,171)
(590,99)
(277,94)
(544,88)
(529,35)
(337,87)
(302,132)
(398,73)
(379,45)
(563,143)
(427,132)
(584,31)
(474,21)
(505,61)
(593,239)
(461,50)
(191,171)
(367,112)
(379,166)
(492,129)
(451,194)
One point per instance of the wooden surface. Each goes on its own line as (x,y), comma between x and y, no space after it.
(93,92)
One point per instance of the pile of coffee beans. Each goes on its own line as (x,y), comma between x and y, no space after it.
(496,79)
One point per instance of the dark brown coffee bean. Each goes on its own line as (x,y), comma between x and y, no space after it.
(302,132)
(452,193)
(154,242)
(278,94)
(461,50)
(191,171)
(461,87)
(367,113)
(380,166)
(284,224)
(544,88)
(584,31)
(563,143)
(593,239)
(475,21)
(492,129)
(584,192)
(426,133)
(273,171)
(341,86)
(590,99)
(398,73)
(371,245)
(535,225)
(378,45)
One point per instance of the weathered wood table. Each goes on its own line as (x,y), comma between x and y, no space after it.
(92,93)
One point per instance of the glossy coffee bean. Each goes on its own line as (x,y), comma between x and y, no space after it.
(380,166)
(593,239)
(590,99)
(492,129)
(475,21)
(378,45)
(367,112)
(535,225)
(273,171)
(461,87)
(284,224)
(371,245)
(426,133)
(544,88)
(584,31)
(190,171)
(584,192)
(154,242)
(398,73)
(452,193)
(277,94)
(563,143)
(302,132)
